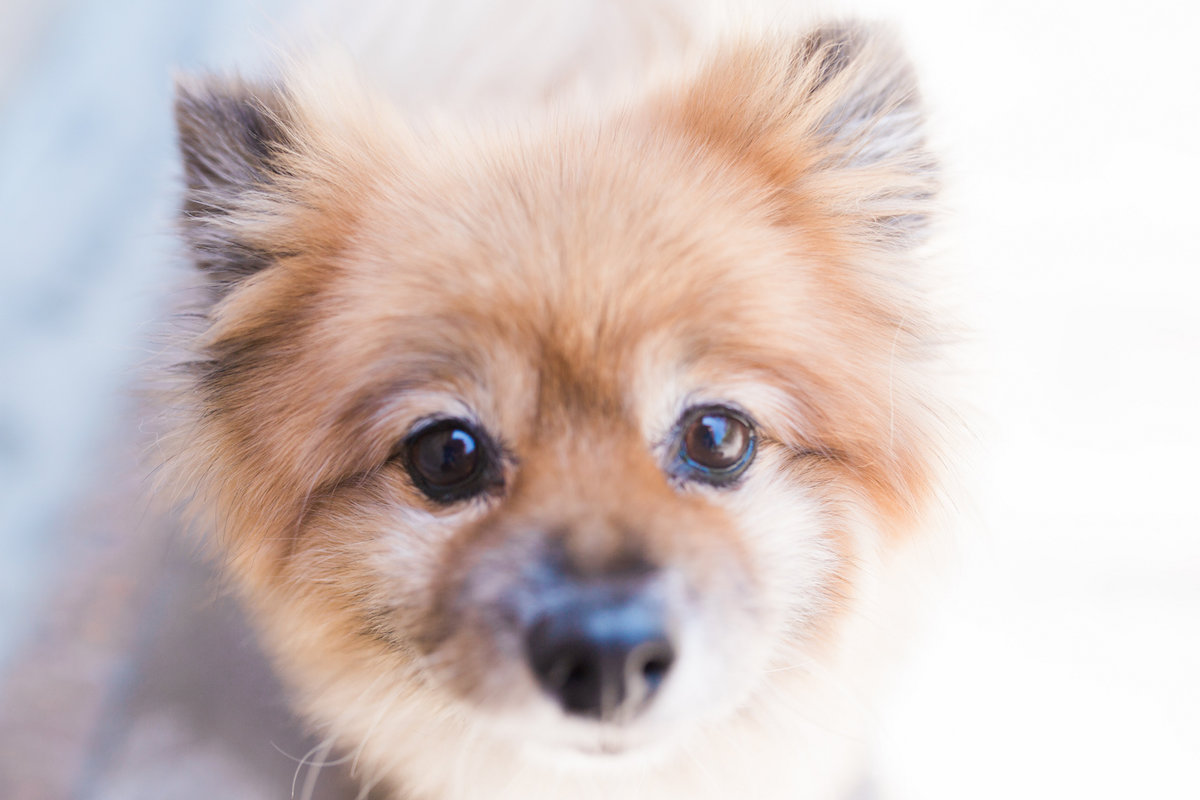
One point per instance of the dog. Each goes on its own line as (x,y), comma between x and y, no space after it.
(581,456)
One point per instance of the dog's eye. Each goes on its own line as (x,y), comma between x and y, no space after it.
(716,444)
(447,460)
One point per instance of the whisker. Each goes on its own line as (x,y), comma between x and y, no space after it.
(314,769)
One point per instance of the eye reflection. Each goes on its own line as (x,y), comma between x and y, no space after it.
(449,461)
(445,457)
(716,444)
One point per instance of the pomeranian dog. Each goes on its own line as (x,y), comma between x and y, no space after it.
(579,456)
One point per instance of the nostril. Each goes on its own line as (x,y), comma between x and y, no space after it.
(578,675)
(569,667)
(572,673)
(579,678)
(655,661)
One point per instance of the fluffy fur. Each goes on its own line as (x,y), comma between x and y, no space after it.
(746,231)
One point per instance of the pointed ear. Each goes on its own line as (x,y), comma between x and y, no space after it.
(832,117)
(231,137)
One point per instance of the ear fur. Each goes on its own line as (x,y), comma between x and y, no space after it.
(231,138)
(834,116)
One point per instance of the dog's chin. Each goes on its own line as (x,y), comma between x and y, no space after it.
(605,752)
(560,742)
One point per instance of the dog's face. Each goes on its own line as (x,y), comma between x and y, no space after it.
(573,438)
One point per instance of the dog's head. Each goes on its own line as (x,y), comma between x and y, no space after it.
(574,435)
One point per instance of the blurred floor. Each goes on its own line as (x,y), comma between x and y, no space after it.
(123,674)
(140,681)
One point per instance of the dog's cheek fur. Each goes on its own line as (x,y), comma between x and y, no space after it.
(361,675)
(350,627)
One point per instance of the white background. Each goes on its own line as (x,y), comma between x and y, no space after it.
(1066,659)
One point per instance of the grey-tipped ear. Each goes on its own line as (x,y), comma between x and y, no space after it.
(874,106)
(833,114)
(231,135)
(874,128)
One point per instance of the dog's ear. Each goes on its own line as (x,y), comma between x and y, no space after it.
(834,116)
(232,138)
(229,134)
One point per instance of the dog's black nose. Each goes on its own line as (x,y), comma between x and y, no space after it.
(603,653)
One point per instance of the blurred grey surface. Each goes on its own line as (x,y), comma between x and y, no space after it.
(124,673)
(86,195)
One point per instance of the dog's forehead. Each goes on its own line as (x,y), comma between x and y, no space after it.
(582,241)
(583,266)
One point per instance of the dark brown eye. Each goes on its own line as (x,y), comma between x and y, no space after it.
(448,461)
(716,444)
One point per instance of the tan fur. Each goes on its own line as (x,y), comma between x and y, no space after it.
(746,232)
